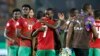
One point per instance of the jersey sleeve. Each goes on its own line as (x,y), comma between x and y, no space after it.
(8,26)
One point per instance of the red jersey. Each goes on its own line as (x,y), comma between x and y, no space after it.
(34,19)
(31,22)
(26,28)
(96,44)
(11,28)
(45,38)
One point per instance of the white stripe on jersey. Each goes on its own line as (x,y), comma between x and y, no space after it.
(97,24)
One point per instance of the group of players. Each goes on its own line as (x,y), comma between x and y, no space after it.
(42,35)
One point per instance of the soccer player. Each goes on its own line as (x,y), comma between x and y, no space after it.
(88,15)
(78,37)
(73,14)
(24,29)
(11,35)
(32,15)
(33,20)
(44,30)
(95,45)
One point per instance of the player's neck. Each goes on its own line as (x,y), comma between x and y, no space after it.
(50,17)
(15,19)
(31,17)
(97,19)
(25,16)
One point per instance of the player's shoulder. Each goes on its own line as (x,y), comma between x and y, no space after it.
(33,19)
(21,19)
(98,21)
(37,22)
(90,18)
(36,25)
(10,20)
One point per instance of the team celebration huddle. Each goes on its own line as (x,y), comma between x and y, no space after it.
(41,34)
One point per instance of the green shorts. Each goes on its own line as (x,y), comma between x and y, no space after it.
(12,50)
(94,52)
(45,53)
(73,53)
(24,51)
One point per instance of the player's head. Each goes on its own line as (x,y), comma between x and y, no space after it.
(16,13)
(31,13)
(25,9)
(74,12)
(97,14)
(40,14)
(87,8)
(50,12)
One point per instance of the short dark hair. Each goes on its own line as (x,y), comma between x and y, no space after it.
(40,14)
(97,13)
(26,5)
(85,6)
(48,9)
(16,10)
(72,10)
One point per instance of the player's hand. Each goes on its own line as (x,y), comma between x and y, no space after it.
(61,16)
(14,42)
(94,38)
